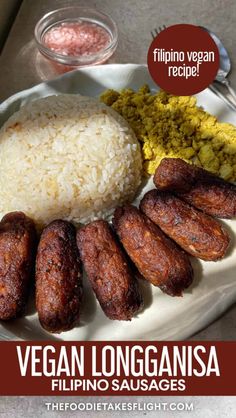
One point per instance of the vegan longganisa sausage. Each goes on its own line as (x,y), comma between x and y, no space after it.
(108,270)
(58,277)
(197,233)
(158,258)
(17,253)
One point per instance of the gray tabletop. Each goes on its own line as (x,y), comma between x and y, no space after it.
(21,66)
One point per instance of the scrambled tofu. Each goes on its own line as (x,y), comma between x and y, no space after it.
(173,126)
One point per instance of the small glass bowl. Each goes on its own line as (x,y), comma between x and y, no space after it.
(73,15)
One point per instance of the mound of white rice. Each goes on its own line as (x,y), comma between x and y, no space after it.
(67,157)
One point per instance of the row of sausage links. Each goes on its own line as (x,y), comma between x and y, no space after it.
(58,273)
(58,267)
(58,276)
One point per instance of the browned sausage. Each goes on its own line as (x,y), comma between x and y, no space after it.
(197,233)
(108,271)
(196,186)
(17,252)
(58,277)
(159,260)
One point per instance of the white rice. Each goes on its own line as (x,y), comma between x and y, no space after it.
(67,157)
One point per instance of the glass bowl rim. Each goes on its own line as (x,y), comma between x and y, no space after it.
(66,59)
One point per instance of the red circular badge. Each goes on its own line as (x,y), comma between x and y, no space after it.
(183,59)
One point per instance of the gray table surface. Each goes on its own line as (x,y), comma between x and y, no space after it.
(8,10)
(21,68)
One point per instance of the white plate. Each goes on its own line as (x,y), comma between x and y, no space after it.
(164,317)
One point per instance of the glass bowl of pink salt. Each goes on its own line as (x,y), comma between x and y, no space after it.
(76,37)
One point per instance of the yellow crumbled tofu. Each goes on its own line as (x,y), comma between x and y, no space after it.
(174,126)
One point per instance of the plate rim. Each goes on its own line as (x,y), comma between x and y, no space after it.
(215,311)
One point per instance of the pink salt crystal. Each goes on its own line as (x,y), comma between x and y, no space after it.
(77,38)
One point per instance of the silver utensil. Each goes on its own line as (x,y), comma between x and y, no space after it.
(222,97)
(225,64)
(156,31)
